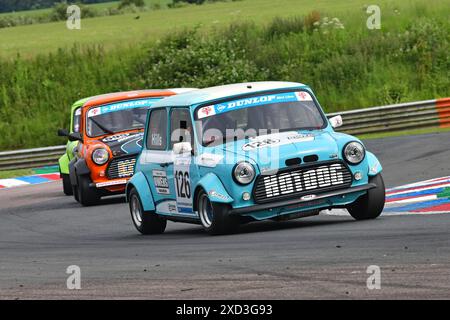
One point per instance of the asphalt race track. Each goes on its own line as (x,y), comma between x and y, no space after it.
(42,232)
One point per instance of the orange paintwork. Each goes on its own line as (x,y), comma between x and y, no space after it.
(443,109)
(98,173)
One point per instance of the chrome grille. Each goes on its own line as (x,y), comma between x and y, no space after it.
(121,167)
(302,180)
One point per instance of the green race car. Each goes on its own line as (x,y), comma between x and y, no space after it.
(75,114)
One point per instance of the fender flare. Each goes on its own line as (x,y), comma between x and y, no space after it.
(63,163)
(374,165)
(140,183)
(214,189)
(77,167)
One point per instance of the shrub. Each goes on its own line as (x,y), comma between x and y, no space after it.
(127,3)
(346,68)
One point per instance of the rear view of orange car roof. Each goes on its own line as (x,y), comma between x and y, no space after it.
(137,94)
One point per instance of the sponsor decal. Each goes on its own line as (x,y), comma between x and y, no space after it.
(308,197)
(303,96)
(215,194)
(94,112)
(206,112)
(276,139)
(110,183)
(157,140)
(253,102)
(167,207)
(209,160)
(142,103)
(161,182)
(182,182)
(260,144)
(301,137)
(116,137)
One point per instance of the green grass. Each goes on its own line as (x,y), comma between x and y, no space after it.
(402,133)
(6,174)
(38,12)
(99,6)
(110,31)
(407,60)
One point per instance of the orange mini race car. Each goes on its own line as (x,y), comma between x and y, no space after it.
(110,138)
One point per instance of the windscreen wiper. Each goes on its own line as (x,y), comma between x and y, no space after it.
(101,126)
(224,139)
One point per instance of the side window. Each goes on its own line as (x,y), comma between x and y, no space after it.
(157,130)
(181,127)
(76,120)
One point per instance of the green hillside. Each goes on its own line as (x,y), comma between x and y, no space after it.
(126,29)
(324,44)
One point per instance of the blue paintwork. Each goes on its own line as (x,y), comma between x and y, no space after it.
(374,164)
(140,183)
(216,177)
(212,185)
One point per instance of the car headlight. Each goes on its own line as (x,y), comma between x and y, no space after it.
(243,173)
(354,152)
(100,156)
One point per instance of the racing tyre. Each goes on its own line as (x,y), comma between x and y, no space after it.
(370,205)
(215,217)
(75,193)
(67,186)
(146,222)
(87,196)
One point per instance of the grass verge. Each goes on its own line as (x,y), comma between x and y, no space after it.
(6,174)
(402,133)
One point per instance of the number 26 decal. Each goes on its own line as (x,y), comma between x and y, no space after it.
(183,185)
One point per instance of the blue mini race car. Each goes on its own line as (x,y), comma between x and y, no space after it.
(245,152)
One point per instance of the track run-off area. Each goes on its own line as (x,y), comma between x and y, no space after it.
(42,232)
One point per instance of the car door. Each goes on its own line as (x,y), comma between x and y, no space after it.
(183,169)
(157,162)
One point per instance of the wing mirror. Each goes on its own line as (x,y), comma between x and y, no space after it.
(182,147)
(75,136)
(63,133)
(336,121)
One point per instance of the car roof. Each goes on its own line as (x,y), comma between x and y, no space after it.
(136,94)
(220,92)
(79,103)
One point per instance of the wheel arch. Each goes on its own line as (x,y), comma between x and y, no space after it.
(77,167)
(140,184)
(374,165)
(63,163)
(214,189)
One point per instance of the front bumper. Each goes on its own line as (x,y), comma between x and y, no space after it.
(110,183)
(301,201)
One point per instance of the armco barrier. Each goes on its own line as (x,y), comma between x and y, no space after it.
(420,114)
(31,158)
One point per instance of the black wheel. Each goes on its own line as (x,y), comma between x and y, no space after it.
(146,222)
(67,186)
(87,196)
(215,217)
(75,193)
(370,205)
